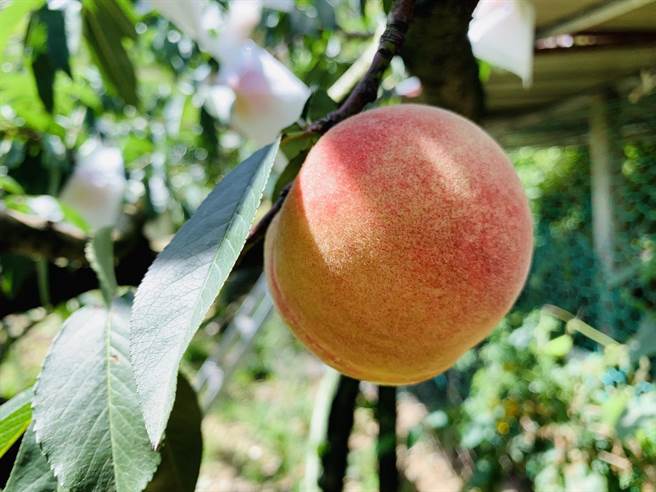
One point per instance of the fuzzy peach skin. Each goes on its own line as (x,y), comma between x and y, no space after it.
(403,242)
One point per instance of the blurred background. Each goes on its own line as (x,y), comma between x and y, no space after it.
(127,113)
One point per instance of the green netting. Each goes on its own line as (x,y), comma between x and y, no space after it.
(566,270)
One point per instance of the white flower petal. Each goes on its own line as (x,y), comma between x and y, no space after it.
(263,95)
(186,15)
(269,97)
(502,33)
(46,207)
(97,186)
(218,101)
(243,17)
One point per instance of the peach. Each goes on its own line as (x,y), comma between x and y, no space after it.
(404,240)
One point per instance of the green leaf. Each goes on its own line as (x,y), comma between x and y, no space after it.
(319,105)
(559,346)
(639,414)
(86,411)
(414,435)
(184,280)
(72,216)
(183,444)
(15,416)
(100,254)
(614,405)
(295,145)
(643,343)
(105,27)
(44,76)
(297,142)
(288,174)
(10,185)
(46,41)
(31,471)
(18,90)
(16,270)
(437,419)
(11,15)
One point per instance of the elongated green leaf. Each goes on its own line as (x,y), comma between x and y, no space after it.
(48,50)
(184,280)
(11,15)
(15,416)
(86,412)
(31,471)
(559,346)
(183,444)
(105,26)
(100,254)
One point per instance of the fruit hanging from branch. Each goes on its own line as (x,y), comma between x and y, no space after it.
(403,242)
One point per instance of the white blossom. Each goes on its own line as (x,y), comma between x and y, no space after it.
(268,97)
(96,188)
(255,91)
(502,33)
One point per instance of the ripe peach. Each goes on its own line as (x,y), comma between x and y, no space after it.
(404,240)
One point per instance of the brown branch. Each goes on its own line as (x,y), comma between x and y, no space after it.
(438,51)
(39,238)
(367,89)
(66,283)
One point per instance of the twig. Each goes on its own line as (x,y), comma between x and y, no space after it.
(367,89)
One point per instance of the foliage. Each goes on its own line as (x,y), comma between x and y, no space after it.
(566,271)
(554,415)
(74,72)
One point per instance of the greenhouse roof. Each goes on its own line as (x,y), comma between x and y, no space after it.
(581,46)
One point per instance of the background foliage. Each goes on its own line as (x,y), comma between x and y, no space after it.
(537,407)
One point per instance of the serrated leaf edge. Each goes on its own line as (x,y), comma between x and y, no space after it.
(157,439)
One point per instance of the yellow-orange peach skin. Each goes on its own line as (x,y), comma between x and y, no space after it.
(404,240)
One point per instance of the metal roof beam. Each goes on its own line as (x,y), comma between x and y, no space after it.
(590,17)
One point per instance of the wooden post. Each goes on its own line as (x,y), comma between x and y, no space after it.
(603,160)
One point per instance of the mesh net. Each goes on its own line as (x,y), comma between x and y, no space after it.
(615,291)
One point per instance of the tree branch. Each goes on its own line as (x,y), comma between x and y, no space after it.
(438,51)
(367,89)
(66,283)
(38,238)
